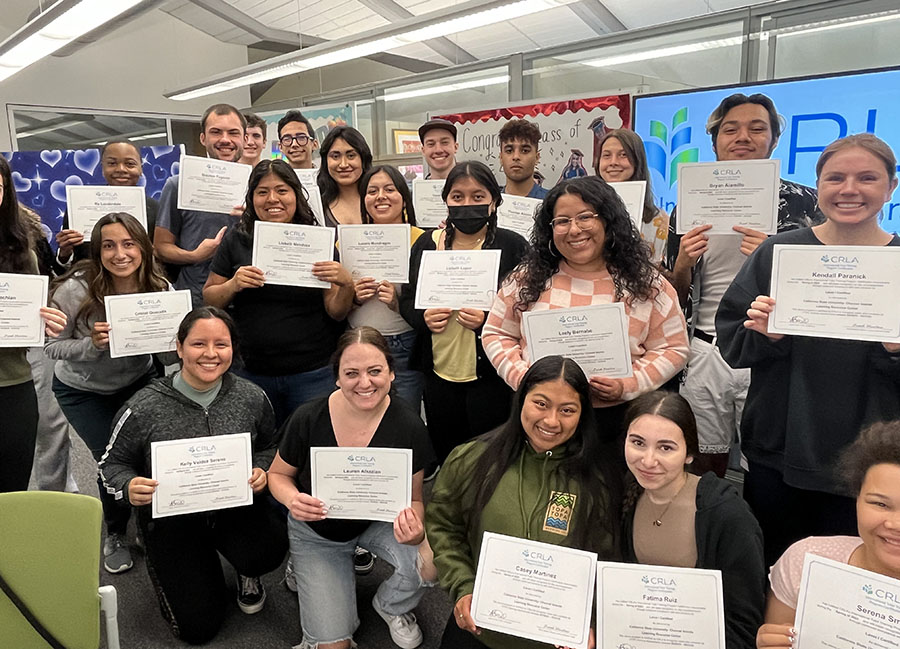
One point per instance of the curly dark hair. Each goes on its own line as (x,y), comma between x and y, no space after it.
(627,257)
(877,444)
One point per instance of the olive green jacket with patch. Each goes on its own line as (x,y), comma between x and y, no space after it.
(520,506)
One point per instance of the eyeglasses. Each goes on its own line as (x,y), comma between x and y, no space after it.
(301,139)
(584,221)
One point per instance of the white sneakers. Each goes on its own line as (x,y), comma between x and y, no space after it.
(405,632)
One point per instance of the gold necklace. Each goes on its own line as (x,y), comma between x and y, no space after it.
(658,521)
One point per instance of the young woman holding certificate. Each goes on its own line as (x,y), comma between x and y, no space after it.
(585,251)
(345,158)
(287,332)
(89,384)
(464,396)
(386,200)
(203,399)
(360,413)
(18,400)
(541,476)
(870,467)
(623,158)
(809,397)
(675,518)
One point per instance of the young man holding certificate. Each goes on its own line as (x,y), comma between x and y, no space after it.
(189,238)
(703,265)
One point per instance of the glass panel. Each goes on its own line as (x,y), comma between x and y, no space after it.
(38,130)
(675,61)
(405,107)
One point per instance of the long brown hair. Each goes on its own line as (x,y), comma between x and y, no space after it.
(17,236)
(99,281)
(634,149)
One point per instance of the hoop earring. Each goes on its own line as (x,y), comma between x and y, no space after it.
(550,248)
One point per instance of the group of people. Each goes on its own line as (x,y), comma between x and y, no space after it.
(624,467)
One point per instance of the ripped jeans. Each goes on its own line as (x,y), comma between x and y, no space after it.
(326,581)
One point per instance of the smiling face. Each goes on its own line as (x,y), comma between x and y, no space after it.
(206,353)
(550,414)
(745,134)
(344,163)
(615,165)
(439,148)
(383,200)
(853,186)
(878,519)
(656,454)
(120,254)
(254,141)
(274,200)
(364,377)
(518,159)
(223,137)
(298,155)
(581,248)
(121,164)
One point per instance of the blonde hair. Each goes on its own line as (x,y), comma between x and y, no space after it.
(874,145)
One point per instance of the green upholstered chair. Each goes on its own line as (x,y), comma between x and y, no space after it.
(50,558)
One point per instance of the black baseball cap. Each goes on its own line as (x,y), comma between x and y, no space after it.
(437,123)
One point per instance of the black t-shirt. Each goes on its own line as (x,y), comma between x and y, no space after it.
(310,425)
(283,329)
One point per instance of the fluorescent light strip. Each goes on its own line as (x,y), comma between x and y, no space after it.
(376,44)
(82,18)
(450,87)
(663,52)
(832,24)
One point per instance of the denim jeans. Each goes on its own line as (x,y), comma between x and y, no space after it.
(326,581)
(291,391)
(408,384)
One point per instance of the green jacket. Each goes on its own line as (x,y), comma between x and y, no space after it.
(520,506)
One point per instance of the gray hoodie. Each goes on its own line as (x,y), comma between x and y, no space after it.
(159,413)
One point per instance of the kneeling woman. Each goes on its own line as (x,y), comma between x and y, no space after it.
(545,458)
(360,413)
(674,518)
(202,399)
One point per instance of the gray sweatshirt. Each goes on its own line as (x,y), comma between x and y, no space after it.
(82,366)
(159,412)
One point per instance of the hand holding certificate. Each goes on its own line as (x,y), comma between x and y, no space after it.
(457,279)
(726,194)
(845,607)
(86,204)
(145,323)
(595,337)
(377,251)
(21,299)
(430,207)
(286,252)
(362,483)
(534,590)
(208,185)
(846,292)
(647,607)
(201,474)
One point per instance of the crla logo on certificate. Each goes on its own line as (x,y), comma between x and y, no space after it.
(535,558)
(293,234)
(4,287)
(361,460)
(201,450)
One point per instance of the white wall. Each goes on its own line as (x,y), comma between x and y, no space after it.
(128,69)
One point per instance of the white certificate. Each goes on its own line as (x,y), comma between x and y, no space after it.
(843,607)
(847,292)
(208,185)
(201,474)
(86,204)
(725,194)
(595,337)
(632,193)
(516,213)
(457,279)
(286,252)
(430,207)
(648,607)
(145,323)
(21,299)
(362,483)
(534,590)
(379,251)
(307,179)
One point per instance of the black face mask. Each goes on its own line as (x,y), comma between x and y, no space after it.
(468,219)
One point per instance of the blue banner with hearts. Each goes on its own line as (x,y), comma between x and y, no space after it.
(40,177)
